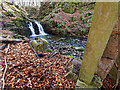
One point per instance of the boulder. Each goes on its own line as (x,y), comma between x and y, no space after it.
(40,44)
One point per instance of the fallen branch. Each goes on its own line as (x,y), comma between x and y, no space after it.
(53,54)
(43,73)
(118,77)
(33,50)
(5,65)
(10,40)
(3,46)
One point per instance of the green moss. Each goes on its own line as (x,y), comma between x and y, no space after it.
(81,11)
(69,7)
(49,50)
(40,44)
(73,19)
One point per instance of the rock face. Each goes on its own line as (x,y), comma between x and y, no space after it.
(15,19)
(22,31)
(46,27)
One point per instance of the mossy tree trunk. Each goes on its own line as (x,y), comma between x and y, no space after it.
(104,18)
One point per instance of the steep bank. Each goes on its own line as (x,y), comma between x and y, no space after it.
(70,19)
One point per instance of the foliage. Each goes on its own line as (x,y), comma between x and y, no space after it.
(49,50)
(81,11)
(73,19)
(68,7)
(88,14)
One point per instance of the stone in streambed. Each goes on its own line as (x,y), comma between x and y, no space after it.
(79,48)
(61,39)
(64,47)
(77,65)
(75,62)
(42,54)
(64,53)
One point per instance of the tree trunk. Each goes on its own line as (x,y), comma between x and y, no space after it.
(104,18)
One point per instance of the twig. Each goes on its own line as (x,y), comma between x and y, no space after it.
(3,46)
(118,77)
(53,54)
(116,65)
(5,66)
(43,73)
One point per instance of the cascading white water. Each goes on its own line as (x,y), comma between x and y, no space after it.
(31,28)
(41,30)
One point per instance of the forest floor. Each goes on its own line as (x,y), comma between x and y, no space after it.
(26,70)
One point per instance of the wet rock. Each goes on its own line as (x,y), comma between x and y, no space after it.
(17,36)
(64,47)
(57,43)
(97,81)
(42,54)
(61,39)
(79,48)
(25,31)
(64,53)
(76,69)
(75,62)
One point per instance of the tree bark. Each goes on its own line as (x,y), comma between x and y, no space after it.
(104,18)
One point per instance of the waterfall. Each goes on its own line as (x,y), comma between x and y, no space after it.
(41,30)
(31,28)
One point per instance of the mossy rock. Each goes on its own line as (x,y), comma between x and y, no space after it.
(69,7)
(19,22)
(40,44)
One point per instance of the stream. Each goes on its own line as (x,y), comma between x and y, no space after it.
(71,46)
